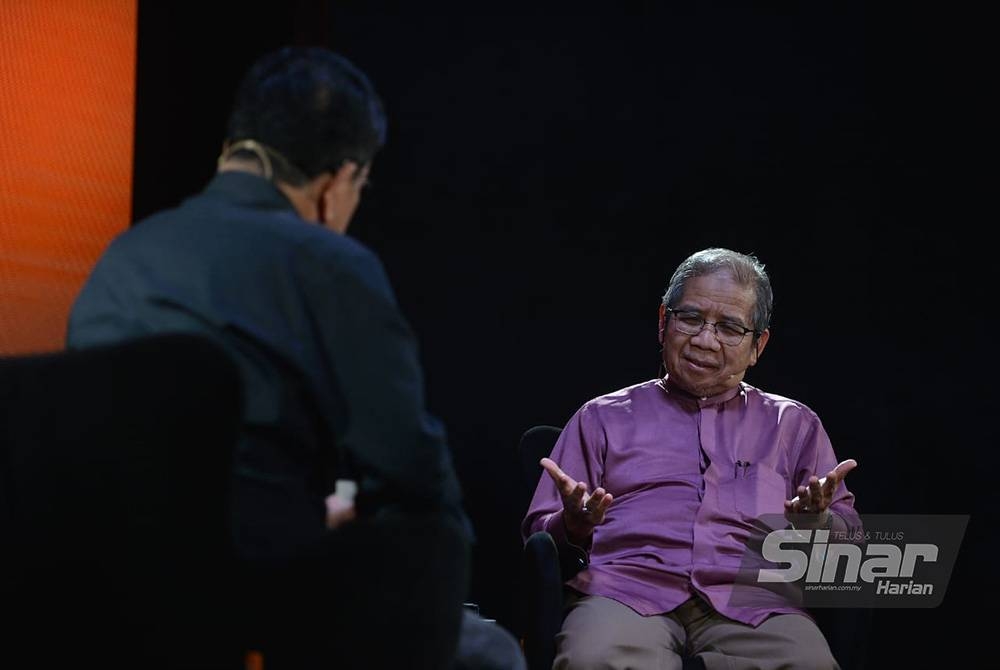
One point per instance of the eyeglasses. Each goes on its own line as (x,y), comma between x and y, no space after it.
(692,323)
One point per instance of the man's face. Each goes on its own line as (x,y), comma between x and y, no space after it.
(700,364)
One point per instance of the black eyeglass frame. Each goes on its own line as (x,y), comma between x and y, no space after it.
(705,322)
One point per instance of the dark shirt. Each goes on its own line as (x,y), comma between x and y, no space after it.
(333,386)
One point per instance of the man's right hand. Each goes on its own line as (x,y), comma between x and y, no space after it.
(581,511)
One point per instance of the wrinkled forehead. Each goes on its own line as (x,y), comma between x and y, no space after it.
(721,292)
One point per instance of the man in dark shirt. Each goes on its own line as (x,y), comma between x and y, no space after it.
(258,262)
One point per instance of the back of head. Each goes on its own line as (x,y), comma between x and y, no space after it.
(744,268)
(311,109)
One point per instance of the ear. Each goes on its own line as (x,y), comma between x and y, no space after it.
(346,174)
(758,346)
(662,323)
(326,202)
(337,193)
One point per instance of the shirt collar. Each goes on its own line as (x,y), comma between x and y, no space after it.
(246,189)
(672,389)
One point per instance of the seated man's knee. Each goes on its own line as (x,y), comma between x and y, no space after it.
(615,657)
(602,633)
(820,659)
(800,642)
(586,658)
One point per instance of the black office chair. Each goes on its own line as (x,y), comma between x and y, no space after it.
(545,570)
(114,514)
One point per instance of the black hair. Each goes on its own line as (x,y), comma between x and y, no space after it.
(312,109)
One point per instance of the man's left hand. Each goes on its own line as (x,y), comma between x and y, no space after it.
(816,495)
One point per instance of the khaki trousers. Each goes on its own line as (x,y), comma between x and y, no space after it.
(602,633)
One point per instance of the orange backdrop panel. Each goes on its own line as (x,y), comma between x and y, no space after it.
(67,100)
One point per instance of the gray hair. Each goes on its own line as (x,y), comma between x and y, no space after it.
(744,268)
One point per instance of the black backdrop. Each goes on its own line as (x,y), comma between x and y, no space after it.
(546,171)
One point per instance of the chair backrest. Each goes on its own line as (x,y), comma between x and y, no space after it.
(535,444)
(540,594)
(115,465)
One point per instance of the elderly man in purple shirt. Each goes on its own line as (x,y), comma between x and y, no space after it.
(662,483)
